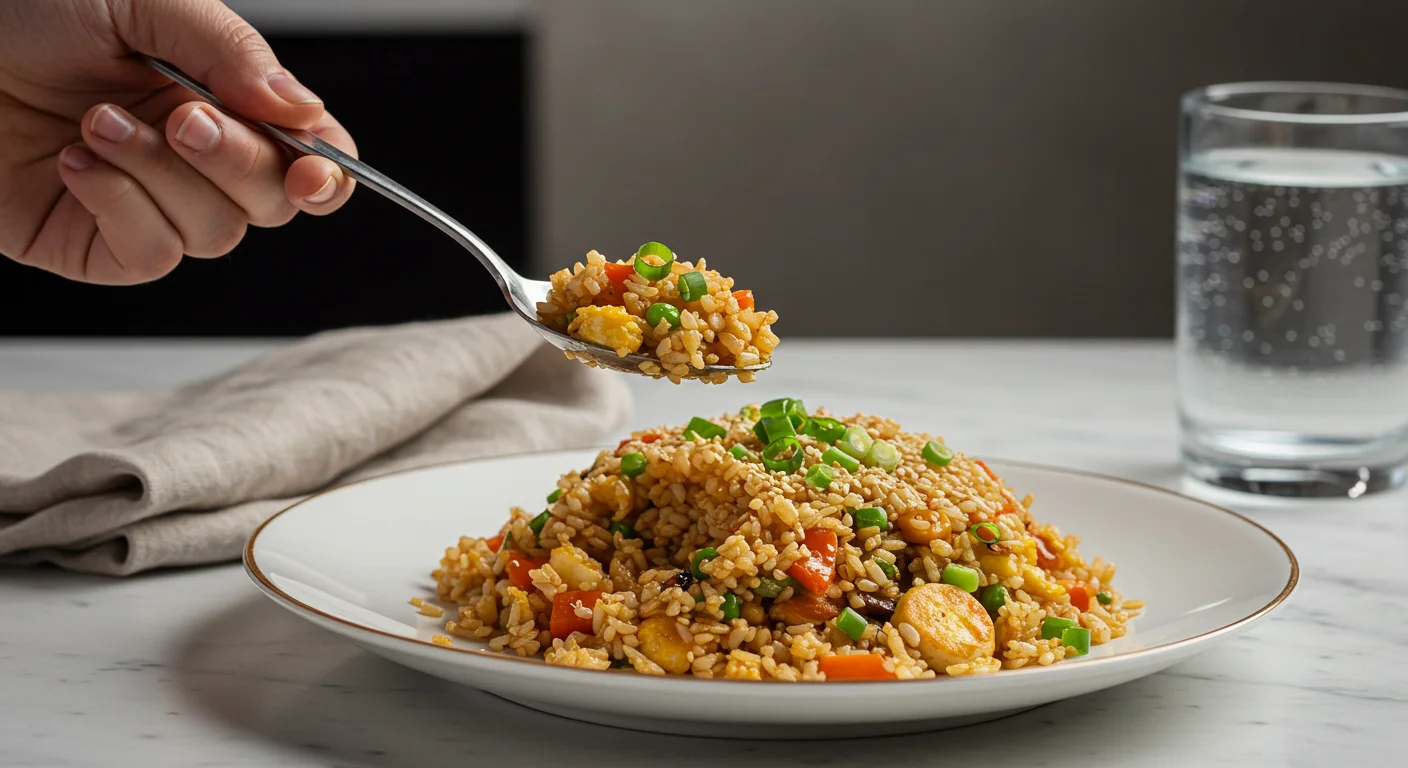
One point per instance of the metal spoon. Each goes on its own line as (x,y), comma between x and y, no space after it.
(522,294)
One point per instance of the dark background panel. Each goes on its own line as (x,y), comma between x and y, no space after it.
(442,114)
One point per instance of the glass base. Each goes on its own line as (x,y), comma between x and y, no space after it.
(1290,464)
(1296,482)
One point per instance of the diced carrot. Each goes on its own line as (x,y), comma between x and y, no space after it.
(855,666)
(988,470)
(647,439)
(495,542)
(614,292)
(564,619)
(745,299)
(617,273)
(519,565)
(1044,558)
(815,573)
(1080,596)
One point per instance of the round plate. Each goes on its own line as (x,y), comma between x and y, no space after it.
(349,560)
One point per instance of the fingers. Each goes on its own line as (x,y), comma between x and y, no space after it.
(247,167)
(318,185)
(208,222)
(214,45)
(133,241)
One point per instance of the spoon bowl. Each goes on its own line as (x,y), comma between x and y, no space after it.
(522,294)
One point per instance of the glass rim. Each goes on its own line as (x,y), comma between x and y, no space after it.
(1204,100)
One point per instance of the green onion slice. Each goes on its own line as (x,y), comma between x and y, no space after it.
(705,428)
(624,528)
(536,524)
(772,587)
(1053,626)
(825,429)
(777,407)
(937,454)
(1077,639)
(852,623)
(777,427)
(960,576)
(760,432)
(732,607)
(661,311)
(834,455)
(987,533)
(882,455)
(856,442)
(692,286)
(701,557)
(632,464)
(888,567)
(651,271)
(772,455)
(820,476)
(741,453)
(554,496)
(868,517)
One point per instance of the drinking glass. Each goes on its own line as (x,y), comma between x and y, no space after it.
(1292,287)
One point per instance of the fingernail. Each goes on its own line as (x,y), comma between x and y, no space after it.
(76,158)
(291,90)
(111,124)
(324,194)
(198,132)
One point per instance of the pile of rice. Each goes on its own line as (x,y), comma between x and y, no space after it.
(653,616)
(714,329)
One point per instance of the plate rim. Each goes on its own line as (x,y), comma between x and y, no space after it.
(267,586)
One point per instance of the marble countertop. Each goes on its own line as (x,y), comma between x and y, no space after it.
(195,668)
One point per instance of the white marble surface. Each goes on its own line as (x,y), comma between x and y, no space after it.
(194,668)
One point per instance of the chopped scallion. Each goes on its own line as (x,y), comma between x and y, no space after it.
(1076,640)
(732,607)
(777,407)
(652,271)
(693,286)
(772,455)
(772,587)
(826,429)
(536,524)
(852,623)
(882,455)
(749,412)
(741,453)
(987,533)
(632,464)
(960,576)
(1053,626)
(661,311)
(856,442)
(760,432)
(701,557)
(705,428)
(868,517)
(888,567)
(624,528)
(554,496)
(834,455)
(937,454)
(777,427)
(820,476)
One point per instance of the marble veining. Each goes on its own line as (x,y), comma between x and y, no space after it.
(194,668)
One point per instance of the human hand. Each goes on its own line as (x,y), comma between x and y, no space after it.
(110,173)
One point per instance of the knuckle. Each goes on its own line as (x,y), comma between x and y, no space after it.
(219,238)
(245,40)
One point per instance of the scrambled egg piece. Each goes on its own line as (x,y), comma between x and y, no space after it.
(609,326)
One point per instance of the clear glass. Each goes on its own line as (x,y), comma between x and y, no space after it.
(1293,287)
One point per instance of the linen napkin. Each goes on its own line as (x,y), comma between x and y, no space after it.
(117,483)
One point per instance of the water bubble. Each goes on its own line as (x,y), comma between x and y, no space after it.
(1218,300)
(1358,282)
(1255,234)
(1297,305)
(1247,282)
(1313,341)
(1248,336)
(1285,290)
(1267,301)
(1265,348)
(1275,231)
(1233,257)
(1224,330)
(1339,355)
(1291,277)
(1277,245)
(1285,221)
(1290,335)
(1263,275)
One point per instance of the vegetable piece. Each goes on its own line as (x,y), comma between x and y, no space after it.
(731,607)
(1053,626)
(820,476)
(1044,558)
(577,569)
(742,454)
(993,596)
(1105,598)
(667,642)
(961,576)
(624,528)
(772,587)
(856,442)
(773,455)
(705,428)
(554,496)
(816,572)
(923,525)
(826,429)
(778,407)
(632,464)
(701,557)
(877,606)
(868,517)
(617,273)
(693,286)
(614,292)
(953,626)
(681,579)
(760,432)
(744,299)
(653,271)
(937,454)
(988,470)
(803,608)
(834,455)
(570,316)
(1076,640)
(1080,596)
(777,427)
(536,524)
(852,623)
(750,412)
(888,567)
(519,564)
(564,620)
(495,543)
(854,666)
(987,533)
(661,311)
(882,455)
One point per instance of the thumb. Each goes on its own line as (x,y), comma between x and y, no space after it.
(214,45)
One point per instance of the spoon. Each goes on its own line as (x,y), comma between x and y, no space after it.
(521,293)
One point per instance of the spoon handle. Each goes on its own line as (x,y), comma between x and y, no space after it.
(309,143)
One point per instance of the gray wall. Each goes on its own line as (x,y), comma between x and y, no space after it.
(975,168)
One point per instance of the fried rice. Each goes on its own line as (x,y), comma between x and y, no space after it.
(683,316)
(781,544)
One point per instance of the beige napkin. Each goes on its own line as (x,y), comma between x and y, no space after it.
(125,482)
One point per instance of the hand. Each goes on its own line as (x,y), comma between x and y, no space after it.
(110,173)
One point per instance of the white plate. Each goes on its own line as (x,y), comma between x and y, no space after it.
(350,559)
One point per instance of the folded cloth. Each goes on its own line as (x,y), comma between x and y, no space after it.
(119,483)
